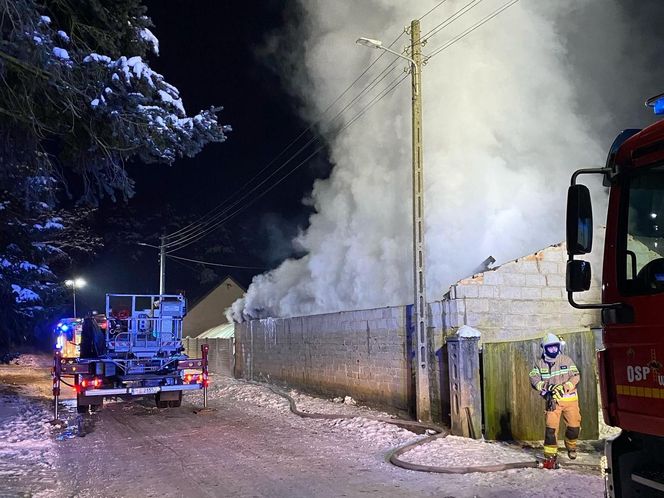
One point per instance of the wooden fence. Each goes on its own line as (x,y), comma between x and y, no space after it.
(513,410)
(220,356)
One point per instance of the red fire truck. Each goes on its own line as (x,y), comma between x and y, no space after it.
(631,368)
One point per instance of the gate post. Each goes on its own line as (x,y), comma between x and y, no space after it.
(56,374)
(465,390)
(204,354)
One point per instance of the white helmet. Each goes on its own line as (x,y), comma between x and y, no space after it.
(551,340)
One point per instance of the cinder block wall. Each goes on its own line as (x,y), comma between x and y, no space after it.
(362,354)
(368,355)
(519,300)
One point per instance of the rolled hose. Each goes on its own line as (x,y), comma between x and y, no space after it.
(393,455)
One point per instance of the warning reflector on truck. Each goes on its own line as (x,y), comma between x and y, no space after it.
(184,364)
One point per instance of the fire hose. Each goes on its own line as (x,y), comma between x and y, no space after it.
(393,455)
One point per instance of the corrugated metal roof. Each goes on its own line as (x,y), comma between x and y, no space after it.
(223,331)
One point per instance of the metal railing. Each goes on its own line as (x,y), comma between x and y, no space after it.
(149,322)
(144,334)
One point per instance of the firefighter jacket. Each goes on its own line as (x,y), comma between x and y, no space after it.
(561,371)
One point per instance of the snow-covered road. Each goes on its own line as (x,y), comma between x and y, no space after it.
(250,444)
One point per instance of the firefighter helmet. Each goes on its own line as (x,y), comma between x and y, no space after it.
(551,345)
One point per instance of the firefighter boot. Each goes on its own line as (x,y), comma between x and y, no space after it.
(571,435)
(550,462)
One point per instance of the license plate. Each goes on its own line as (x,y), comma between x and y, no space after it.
(144,390)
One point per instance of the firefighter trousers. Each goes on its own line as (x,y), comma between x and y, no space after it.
(571,415)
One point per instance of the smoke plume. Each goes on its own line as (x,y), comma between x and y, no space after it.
(510,111)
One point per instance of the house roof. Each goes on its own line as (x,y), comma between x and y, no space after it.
(223,331)
(214,288)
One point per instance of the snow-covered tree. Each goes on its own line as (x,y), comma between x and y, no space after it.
(78,99)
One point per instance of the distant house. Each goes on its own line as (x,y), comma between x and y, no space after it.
(208,312)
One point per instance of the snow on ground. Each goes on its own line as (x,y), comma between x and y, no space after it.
(455,451)
(374,432)
(450,451)
(33,361)
(27,452)
(230,390)
(379,435)
(28,446)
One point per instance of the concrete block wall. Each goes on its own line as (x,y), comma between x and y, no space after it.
(518,300)
(367,354)
(362,354)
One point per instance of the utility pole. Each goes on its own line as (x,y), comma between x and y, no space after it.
(73,289)
(420,310)
(162,265)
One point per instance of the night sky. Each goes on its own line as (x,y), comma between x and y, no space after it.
(210,51)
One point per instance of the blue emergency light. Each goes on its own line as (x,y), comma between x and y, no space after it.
(659,106)
(657,103)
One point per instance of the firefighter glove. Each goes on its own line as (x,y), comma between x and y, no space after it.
(558,391)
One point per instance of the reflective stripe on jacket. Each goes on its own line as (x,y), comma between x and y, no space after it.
(561,371)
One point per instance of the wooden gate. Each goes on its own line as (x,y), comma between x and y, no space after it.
(513,410)
(221,358)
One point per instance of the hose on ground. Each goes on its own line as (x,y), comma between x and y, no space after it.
(393,455)
(394,460)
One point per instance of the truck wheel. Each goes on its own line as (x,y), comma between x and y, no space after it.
(176,403)
(159,402)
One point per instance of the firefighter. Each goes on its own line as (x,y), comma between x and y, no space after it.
(555,377)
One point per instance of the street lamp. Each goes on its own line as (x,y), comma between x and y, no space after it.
(419,300)
(371,43)
(76,283)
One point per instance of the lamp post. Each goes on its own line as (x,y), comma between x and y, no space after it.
(419,298)
(76,283)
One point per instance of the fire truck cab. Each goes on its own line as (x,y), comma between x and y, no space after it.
(68,336)
(631,362)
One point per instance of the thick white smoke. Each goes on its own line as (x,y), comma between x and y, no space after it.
(503,130)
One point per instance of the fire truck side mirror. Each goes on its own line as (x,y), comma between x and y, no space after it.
(579,220)
(578,276)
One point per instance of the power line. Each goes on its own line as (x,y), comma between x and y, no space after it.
(374,101)
(272,186)
(199,229)
(389,89)
(209,263)
(194,225)
(432,9)
(471,29)
(213,222)
(189,267)
(220,212)
(439,27)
